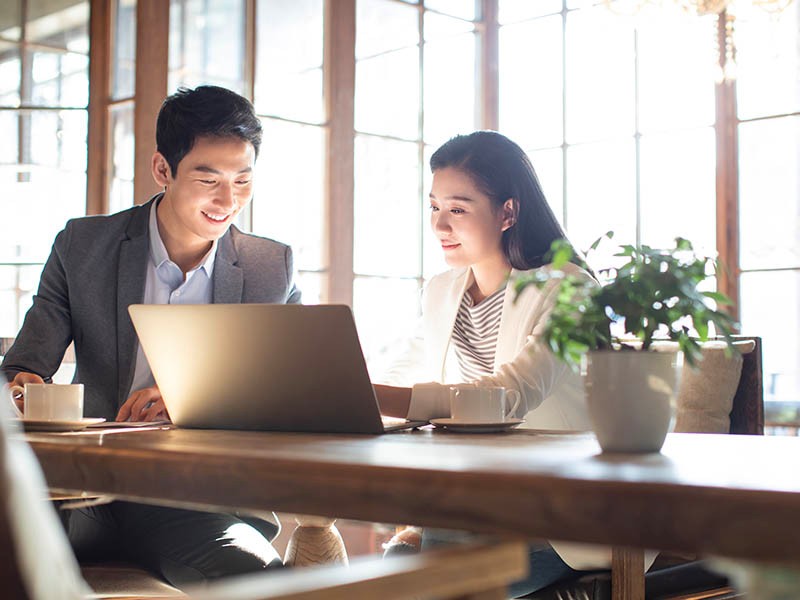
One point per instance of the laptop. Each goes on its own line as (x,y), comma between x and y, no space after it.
(273,367)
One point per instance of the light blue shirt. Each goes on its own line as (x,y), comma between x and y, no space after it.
(165,284)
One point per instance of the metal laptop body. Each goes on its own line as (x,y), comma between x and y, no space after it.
(273,367)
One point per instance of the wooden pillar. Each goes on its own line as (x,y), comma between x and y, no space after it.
(489,69)
(152,63)
(99,90)
(727,138)
(340,82)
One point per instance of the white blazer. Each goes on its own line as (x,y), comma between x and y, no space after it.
(551,394)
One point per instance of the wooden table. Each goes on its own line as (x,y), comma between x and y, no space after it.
(734,496)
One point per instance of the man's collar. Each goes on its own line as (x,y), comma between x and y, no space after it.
(158,251)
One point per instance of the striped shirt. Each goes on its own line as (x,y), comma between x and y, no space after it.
(475,334)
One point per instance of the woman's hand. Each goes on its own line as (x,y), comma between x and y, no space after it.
(393,401)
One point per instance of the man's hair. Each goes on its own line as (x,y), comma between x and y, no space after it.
(206,111)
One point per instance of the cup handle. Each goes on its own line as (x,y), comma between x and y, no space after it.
(513,409)
(13,390)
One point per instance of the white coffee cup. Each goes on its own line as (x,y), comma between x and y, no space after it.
(49,401)
(477,404)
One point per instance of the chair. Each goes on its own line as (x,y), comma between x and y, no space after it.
(38,563)
(675,577)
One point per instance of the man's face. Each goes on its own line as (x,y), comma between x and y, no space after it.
(214,182)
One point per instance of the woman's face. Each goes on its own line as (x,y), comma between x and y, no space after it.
(463,219)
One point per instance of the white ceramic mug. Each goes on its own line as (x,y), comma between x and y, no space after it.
(49,401)
(476,404)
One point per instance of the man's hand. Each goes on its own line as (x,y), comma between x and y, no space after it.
(144,405)
(21,379)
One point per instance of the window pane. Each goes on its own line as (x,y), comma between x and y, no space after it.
(432,255)
(768,40)
(386,311)
(9,75)
(384,25)
(601,194)
(387,216)
(531,82)
(58,139)
(60,24)
(288,202)
(310,284)
(289,61)
(449,71)
(9,131)
(123,71)
(388,105)
(682,205)
(122,157)
(17,285)
(511,11)
(206,43)
(548,166)
(457,8)
(45,196)
(761,294)
(438,26)
(600,75)
(769,193)
(676,86)
(60,79)
(10,19)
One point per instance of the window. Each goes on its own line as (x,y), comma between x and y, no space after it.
(431,53)
(769,194)
(44,48)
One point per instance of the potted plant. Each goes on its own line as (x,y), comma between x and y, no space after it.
(653,295)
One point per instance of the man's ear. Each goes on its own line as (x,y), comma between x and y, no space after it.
(161,170)
(509,214)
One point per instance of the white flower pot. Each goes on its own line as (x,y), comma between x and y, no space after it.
(631,398)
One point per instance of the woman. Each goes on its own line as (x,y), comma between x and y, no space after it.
(493,222)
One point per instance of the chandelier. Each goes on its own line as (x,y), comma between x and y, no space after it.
(727,10)
(698,7)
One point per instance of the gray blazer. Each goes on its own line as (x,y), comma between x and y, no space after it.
(96,269)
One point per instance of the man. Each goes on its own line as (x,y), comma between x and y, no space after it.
(179,247)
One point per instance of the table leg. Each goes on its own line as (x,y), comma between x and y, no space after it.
(315,541)
(627,574)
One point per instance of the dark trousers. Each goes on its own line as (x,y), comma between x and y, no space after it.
(183,546)
(546,566)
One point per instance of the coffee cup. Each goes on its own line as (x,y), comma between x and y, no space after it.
(49,401)
(478,404)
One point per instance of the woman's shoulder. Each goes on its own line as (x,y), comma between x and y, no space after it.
(570,269)
(449,277)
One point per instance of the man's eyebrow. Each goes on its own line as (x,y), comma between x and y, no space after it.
(456,197)
(207,169)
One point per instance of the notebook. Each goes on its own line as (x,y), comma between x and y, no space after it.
(274,367)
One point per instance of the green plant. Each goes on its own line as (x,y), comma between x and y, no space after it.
(654,293)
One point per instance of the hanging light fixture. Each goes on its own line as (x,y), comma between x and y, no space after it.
(701,8)
(697,7)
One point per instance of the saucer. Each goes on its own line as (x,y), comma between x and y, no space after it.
(473,427)
(58,424)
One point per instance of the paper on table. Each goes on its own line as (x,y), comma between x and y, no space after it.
(114,424)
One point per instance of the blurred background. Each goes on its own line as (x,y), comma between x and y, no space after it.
(641,117)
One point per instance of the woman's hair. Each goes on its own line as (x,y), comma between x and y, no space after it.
(502,171)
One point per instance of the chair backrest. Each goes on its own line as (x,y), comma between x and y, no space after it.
(747,413)
(10,577)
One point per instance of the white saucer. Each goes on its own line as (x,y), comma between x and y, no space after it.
(58,424)
(473,427)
